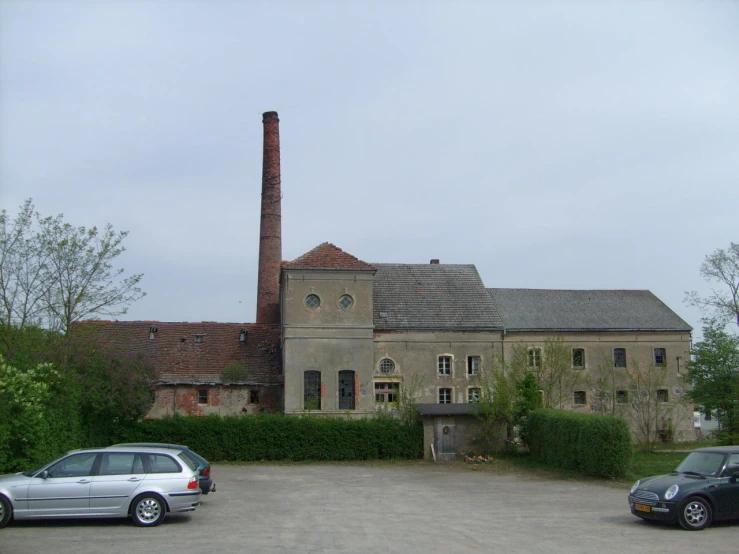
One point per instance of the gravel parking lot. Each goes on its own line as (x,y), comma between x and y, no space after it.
(402,507)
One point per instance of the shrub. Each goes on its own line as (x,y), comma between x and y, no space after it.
(276,437)
(587,443)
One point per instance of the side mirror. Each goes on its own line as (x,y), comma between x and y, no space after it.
(44,474)
(734,477)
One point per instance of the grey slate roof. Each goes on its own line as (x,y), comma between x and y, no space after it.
(584,310)
(432,296)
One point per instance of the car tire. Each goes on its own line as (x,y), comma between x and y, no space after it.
(148,510)
(695,514)
(6,511)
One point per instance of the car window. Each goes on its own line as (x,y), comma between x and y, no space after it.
(732,466)
(121,463)
(161,463)
(74,465)
(189,460)
(705,463)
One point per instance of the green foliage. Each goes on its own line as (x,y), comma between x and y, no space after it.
(409,391)
(528,399)
(587,443)
(494,409)
(235,373)
(34,427)
(276,437)
(713,374)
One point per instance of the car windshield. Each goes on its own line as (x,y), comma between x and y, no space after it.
(703,463)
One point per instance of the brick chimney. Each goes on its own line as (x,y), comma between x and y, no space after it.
(270,230)
(435,261)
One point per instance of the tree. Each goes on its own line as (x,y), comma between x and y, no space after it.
(713,373)
(721,267)
(53,274)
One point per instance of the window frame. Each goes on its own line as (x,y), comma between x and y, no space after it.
(579,394)
(663,363)
(392,367)
(316,386)
(312,295)
(447,392)
(616,359)
(533,358)
(448,371)
(662,395)
(470,391)
(582,359)
(389,391)
(201,393)
(622,396)
(471,371)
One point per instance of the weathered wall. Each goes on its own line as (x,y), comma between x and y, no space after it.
(222,400)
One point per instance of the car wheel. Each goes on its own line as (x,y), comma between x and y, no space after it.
(148,510)
(695,514)
(6,511)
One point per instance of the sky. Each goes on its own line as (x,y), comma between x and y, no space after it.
(562,145)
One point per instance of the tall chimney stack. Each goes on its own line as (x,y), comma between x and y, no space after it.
(270,230)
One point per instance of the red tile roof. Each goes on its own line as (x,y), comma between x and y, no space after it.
(327,256)
(178,358)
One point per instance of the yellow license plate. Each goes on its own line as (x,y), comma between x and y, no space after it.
(642,508)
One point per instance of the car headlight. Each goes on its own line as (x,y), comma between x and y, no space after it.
(636,486)
(671,492)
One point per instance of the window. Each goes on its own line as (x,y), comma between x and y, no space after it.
(312,301)
(159,463)
(312,390)
(76,465)
(347,389)
(386,392)
(622,397)
(578,358)
(534,357)
(473,395)
(346,301)
(580,398)
(120,464)
(445,396)
(199,338)
(619,357)
(253,397)
(445,365)
(473,365)
(662,395)
(202,396)
(660,357)
(387,366)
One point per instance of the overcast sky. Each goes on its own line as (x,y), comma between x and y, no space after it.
(584,145)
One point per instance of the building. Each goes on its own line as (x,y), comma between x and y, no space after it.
(335,335)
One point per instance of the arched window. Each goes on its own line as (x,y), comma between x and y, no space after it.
(312,390)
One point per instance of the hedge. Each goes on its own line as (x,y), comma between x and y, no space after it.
(587,443)
(276,437)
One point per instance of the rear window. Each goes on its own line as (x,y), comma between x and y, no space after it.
(161,463)
(189,461)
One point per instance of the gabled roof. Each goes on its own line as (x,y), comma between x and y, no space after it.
(176,356)
(328,256)
(432,296)
(584,310)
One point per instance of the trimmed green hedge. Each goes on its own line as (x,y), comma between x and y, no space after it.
(276,437)
(587,443)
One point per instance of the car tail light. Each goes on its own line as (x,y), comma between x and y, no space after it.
(193,483)
(206,472)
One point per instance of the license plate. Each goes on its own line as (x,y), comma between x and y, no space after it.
(642,508)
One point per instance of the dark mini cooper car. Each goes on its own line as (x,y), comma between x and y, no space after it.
(206,481)
(702,489)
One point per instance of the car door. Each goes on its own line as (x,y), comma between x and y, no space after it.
(726,493)
(119,476)
(63,489)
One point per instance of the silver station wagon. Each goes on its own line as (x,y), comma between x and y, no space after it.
(143,483)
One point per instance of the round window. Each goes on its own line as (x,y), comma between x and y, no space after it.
(312,301)
(346,301)
(387,366)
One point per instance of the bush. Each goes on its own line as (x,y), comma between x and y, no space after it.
(276,437)
(587,443)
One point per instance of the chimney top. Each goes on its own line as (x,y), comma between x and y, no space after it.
(435,261)
(269,115)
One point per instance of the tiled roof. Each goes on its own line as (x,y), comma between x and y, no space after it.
(327,256)
(432,296)
(585,310)
(178,358)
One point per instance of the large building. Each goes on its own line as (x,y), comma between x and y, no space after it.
(337,336)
